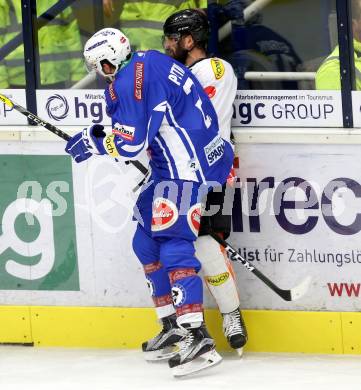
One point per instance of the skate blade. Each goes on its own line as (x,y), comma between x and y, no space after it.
(164,354)
(239,352)
(202,362)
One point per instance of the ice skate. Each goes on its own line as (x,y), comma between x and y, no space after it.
(163,346)
(235,330)
(196,352)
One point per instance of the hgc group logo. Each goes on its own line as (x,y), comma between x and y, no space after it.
(57,107)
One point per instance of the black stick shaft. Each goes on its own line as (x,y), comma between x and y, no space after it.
(60,133)
(236,257)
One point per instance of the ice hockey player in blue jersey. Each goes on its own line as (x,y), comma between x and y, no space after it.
(156,104)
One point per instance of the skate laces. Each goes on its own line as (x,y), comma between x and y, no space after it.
(186,342)
(233,323)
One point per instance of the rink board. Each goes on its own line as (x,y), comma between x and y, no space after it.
(269,331)
(71,278)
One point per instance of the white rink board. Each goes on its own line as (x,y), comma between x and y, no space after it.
(110,274)
(262,108)
(319,165)
(265,108)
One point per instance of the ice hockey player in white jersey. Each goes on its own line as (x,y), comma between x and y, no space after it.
(157,104)
(185,38)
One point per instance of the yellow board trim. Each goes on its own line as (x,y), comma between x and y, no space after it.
(106,327)
(15,325)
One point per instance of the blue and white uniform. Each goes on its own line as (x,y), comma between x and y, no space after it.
(157,104)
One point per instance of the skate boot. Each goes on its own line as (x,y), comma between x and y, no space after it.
(235,330)
(163,346)
(196,352)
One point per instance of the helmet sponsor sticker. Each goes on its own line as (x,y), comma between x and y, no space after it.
(96,44)
(217,280)
(194,217)
(138,80)
(164,214)
(124,131)
(218,68)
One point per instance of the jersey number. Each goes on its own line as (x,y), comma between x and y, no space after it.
(187,88)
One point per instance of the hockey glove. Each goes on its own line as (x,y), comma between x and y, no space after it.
(99,142)
(77,148)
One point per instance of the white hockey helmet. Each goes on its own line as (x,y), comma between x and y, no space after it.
(108,44)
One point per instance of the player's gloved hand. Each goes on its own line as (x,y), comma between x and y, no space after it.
(93,137)
(77,148)
(86,143)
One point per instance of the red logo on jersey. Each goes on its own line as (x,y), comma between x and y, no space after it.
(232,178)
(210,91)
(164,214)
(112,94)
(194,217)
(138,80)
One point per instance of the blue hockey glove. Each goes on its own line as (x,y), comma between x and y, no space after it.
(93,137)
(77,148)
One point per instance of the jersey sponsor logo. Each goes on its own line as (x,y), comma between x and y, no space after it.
(57,107)
(109,146)
(210,91)
(112,94)
(138,80)
(164,214)
(124,131)
(178,294)
(218,68)
(194,217)
(217,280)
(214,150)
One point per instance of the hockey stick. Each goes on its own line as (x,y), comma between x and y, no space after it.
(288,295)
(54,129)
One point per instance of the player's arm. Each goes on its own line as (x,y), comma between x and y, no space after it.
(127,138)
(134,114)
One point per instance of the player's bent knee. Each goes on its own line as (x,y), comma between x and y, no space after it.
(209,253)
(176,253)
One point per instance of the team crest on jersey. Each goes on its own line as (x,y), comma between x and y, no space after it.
(218,68)
(217,280)
(194,217)
(164,214)
(124,131)
(178,295)
(138,80)
(214,150)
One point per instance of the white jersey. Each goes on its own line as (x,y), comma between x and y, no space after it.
(220,83)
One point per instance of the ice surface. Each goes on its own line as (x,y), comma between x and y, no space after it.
(87,369)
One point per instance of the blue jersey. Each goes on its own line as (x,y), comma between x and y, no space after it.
(157,104)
